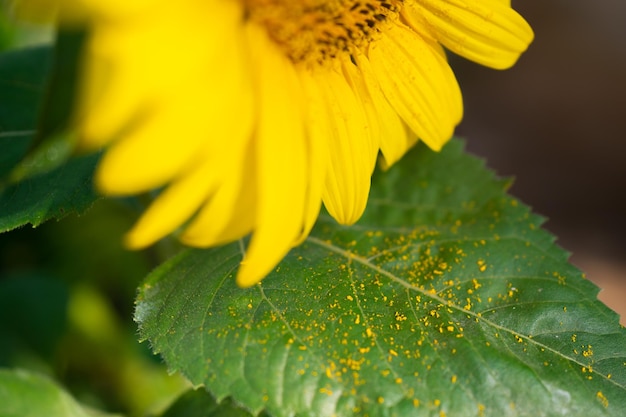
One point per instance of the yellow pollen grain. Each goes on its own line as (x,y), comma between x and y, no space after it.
(603,399)
(482,266)
(399,316)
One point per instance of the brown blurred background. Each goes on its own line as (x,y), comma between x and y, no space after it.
(557,123)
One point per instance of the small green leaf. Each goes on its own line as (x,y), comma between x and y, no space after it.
(26,394)
(447,298)
(37,93)
(44,185)
(55,194)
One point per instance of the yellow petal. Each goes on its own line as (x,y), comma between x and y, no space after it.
(174,206)
(354,77)
(418,83)
(200,107)
(231,212)
(135,67)
(317,137)
(113,89)
(216,174)
(145,159)
(393,141)
(352,157)
(281,170)
(488,32)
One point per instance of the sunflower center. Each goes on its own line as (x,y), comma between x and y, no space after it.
(317,31)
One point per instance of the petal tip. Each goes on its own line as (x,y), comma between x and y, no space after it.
(135,240)
(246,276)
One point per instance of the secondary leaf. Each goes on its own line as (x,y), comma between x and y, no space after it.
(44,185)
(55,194)
(26,394)
(445,299)
(23,75)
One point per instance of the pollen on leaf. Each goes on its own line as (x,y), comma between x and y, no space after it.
(482,266)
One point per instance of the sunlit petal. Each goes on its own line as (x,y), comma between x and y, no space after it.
(488,32)
(281,161)
(418,84)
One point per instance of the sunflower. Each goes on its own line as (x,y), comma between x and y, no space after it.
(248,114)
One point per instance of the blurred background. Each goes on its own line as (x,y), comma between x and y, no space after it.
(556,122)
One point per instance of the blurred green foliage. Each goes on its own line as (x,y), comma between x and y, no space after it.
(66,302)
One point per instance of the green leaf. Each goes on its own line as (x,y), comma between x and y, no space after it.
(446,299)
(58,102)
(23,75)
(44,185)
(37,91)
(26,394)
(55,194)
